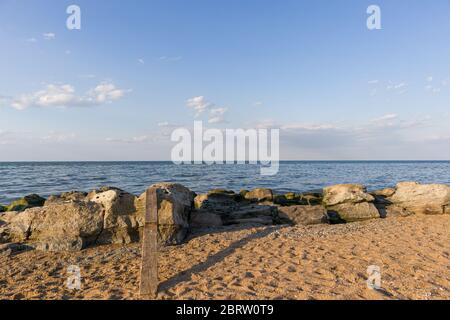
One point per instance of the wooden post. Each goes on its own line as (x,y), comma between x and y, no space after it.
(149,266)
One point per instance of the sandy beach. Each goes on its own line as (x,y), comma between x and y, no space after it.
(276,262)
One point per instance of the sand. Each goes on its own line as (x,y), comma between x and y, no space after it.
(278,262)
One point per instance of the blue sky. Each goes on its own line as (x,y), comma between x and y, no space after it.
(136,70)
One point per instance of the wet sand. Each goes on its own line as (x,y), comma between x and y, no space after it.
(277,262)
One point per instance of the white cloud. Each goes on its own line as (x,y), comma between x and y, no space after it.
(432,89)
(310,127)
(137,139)
(65,96)
(217,115)
(199,104)
(397,87)
(54,136)
(49,36)
(257,103)
(32,40)
(373,82)
(435,88)
(141,61)
(389,116)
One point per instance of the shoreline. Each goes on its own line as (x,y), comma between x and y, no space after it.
(225,245)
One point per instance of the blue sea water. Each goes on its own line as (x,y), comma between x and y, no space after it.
(45,178)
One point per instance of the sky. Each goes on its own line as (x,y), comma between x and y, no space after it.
(137,70)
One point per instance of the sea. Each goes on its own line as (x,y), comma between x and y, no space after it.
(46,178)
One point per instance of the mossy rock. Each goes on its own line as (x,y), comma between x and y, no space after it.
(243,192)
(311,199)
(280,199)
(291,196)
(259,195)
(3,208)
(30,201)
(220,191)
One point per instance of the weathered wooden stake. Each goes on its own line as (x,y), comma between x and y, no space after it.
(149,266)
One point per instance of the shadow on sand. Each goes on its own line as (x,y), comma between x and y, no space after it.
(216,258)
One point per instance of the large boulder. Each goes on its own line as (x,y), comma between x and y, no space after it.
(217,202)
(120,223)
(348,203)
(57,227)
(295,199)
(304,215)
(259,194)
(66,196)
(251,214)
(385,207)
(175,203)
(14,227)
(345,193)
(30,201)
(422,198)
(205,219)
(216,208)
(351,212)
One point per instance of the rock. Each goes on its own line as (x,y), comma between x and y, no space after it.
(291,196)
(216,202)
(221,192)
(304,215)
(385,206)
(66,196)
(311,198)
(230,210)
(15,226)
(281,200)
(3,208)
(201,201)
(204,219)
(174,207)
(120,223)
(295,199)
(66,226)
(387,192)
(30,201)
(350,212)
(392,210)
(289,199)
(348,203)
(56,227)
(263,214)
(259,194)
(422,198)
(243,192)
(345,193)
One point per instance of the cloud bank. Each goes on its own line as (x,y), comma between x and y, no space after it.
(65,96)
